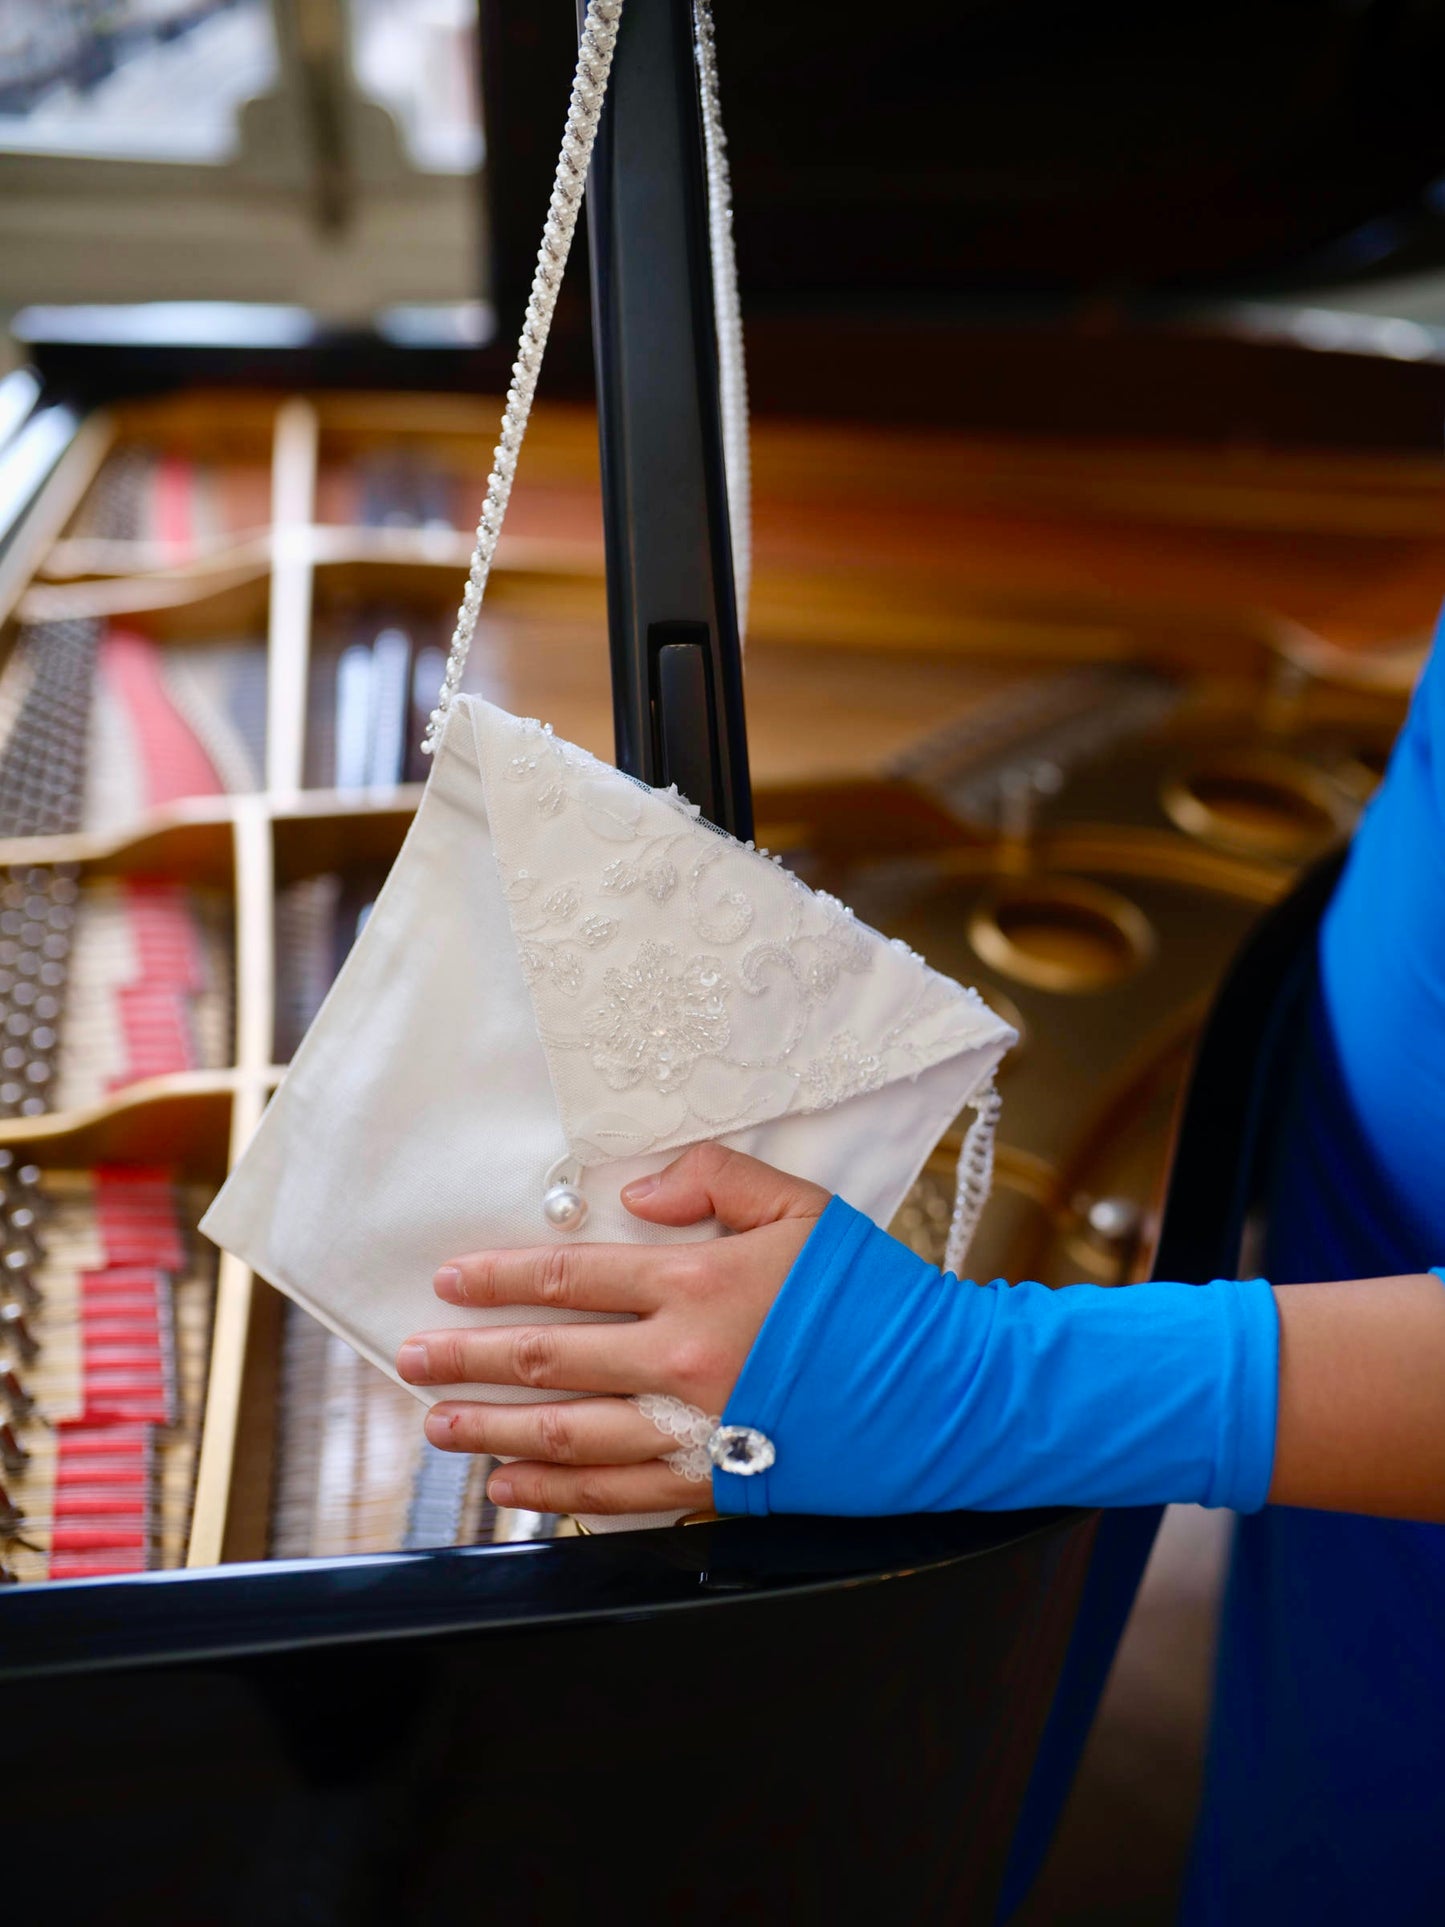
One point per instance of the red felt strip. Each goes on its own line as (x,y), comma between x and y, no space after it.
(101,1565)
(87,1474)
(175,489)
(104,1505)
(97,1539)
(153,1237)
(172,758)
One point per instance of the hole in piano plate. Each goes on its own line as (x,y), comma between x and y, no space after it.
(1061,934)
(1263,805)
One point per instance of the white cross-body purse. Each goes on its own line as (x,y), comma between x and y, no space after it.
(567,978)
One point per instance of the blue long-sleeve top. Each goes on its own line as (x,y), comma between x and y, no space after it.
(887,1386)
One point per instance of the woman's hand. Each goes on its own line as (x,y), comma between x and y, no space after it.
(697,1309)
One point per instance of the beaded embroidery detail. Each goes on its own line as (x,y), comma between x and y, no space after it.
(686,985)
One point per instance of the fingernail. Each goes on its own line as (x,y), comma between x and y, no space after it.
(411,1362)
(638,1189)
(499,1491)
(439,1424)
(448,1284)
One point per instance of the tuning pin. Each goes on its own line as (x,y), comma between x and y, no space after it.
(18,1401)
(13,1456)
(1116,1225)
(16,1278)
(12,1516)
(19,1179)
(14,1327)
(1115,1220)
(24,1228)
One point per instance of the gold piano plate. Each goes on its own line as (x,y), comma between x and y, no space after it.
(1261,804)
(1061,934)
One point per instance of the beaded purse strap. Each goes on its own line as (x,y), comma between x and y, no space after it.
(589,90)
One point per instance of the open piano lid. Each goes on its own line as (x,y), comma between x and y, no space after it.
(1085,164)
(1065,149)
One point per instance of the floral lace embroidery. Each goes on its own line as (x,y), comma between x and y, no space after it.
(655,1021)
(845,1070)
(689,1425)
(781,1003)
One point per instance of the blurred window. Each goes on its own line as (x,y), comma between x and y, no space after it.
(419,58)
(131,79)
(320,154)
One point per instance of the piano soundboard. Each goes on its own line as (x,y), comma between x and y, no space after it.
(1066,720)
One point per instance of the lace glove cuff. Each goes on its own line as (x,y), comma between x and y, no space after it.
(889,1386)
(704,1442)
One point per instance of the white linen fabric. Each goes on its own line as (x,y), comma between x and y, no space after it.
(569,970)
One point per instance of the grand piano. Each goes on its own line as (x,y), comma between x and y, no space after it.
(1095,550)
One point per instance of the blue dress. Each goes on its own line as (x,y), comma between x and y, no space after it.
(1325,1792)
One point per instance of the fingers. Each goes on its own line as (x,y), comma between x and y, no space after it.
(709,1181)
(598,1488)
(551,1358)
(580,1431)
(576,1277)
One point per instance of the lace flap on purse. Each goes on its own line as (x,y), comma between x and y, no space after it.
(687,986)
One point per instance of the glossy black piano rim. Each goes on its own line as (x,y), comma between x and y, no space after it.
(87,1625)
